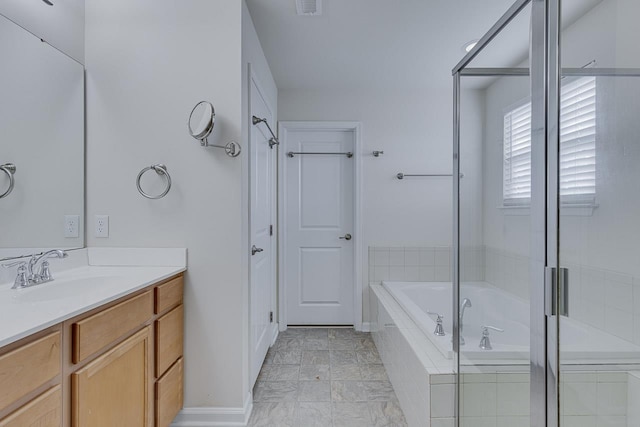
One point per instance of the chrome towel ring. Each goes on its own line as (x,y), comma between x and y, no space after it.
(10,170)
(160,169)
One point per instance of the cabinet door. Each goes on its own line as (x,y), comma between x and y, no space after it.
(43,411)
(113,390)
(169,395)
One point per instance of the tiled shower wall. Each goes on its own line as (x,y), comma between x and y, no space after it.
(404,264)
(422,264)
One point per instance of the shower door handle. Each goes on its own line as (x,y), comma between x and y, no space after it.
(556,290)
(346,237)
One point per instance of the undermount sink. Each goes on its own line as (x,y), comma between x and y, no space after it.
(59,288)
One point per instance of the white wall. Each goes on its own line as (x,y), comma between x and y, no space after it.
(148,63)
(61,25)
(414,129)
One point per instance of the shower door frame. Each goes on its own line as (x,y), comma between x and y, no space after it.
(545,94)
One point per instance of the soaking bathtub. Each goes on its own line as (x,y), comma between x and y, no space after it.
(491,306)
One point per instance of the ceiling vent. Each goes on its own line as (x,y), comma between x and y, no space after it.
(309,7)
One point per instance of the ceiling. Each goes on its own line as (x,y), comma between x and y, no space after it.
(379,44)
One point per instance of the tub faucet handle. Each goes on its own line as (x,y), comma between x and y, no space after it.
(439,331)
(485,341)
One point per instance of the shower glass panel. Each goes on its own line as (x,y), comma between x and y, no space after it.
(497,200)
(599,223)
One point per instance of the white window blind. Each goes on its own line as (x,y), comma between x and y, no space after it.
(577,146)
(517,155)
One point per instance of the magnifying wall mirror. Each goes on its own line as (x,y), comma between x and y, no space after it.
(201,122)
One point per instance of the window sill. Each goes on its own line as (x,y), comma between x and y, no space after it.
(574,209)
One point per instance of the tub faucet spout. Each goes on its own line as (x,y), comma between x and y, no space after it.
(463,305)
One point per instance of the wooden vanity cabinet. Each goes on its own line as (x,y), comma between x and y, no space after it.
(113,390)
(30,381)
(117,365)
(169,328)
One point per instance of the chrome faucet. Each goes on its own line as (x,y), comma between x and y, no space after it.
(485,342)
(463,305)
(27,275)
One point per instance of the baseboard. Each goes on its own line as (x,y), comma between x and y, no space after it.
(214,416)
(366,326)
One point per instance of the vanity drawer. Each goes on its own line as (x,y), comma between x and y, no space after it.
(101,329)
(43,411)
(169,395)
(169,331)
(25,369)
(169,294)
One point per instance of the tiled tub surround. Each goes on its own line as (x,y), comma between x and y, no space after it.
(423,264)
(422,378)
(410,264)
(491,396)
(607,300)
(493,306)
(324,377)
(588,399)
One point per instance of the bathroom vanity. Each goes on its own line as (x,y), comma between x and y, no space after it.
(117,363)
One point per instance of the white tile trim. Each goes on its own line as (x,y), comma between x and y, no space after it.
(215,416)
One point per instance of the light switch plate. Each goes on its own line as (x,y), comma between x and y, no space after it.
(102,226)
(72,226)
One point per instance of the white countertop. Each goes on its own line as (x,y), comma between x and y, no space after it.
(80,288)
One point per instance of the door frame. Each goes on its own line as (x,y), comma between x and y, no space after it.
(254,79)
(283,130)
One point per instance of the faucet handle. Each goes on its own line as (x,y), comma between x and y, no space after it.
(438,315)
(45,273)
(485,329)
(21,281)
(439,331)
(14,264)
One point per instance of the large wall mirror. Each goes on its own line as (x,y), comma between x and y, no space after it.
(41,145)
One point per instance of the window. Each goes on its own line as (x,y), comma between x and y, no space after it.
(577,146)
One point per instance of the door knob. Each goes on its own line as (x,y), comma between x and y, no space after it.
(255,250)
(346,237)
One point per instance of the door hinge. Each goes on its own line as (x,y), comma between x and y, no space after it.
(271,317)
(271,230)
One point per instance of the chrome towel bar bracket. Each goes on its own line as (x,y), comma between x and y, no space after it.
(160,169)
(10,170)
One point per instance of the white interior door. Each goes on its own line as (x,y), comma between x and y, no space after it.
(319,222)
(263,256)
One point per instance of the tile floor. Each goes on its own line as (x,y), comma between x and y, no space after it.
(325,378)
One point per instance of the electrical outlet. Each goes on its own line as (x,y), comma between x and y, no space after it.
(72,226)
(102,225)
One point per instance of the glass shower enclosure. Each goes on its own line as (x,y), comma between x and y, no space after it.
(546,262)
